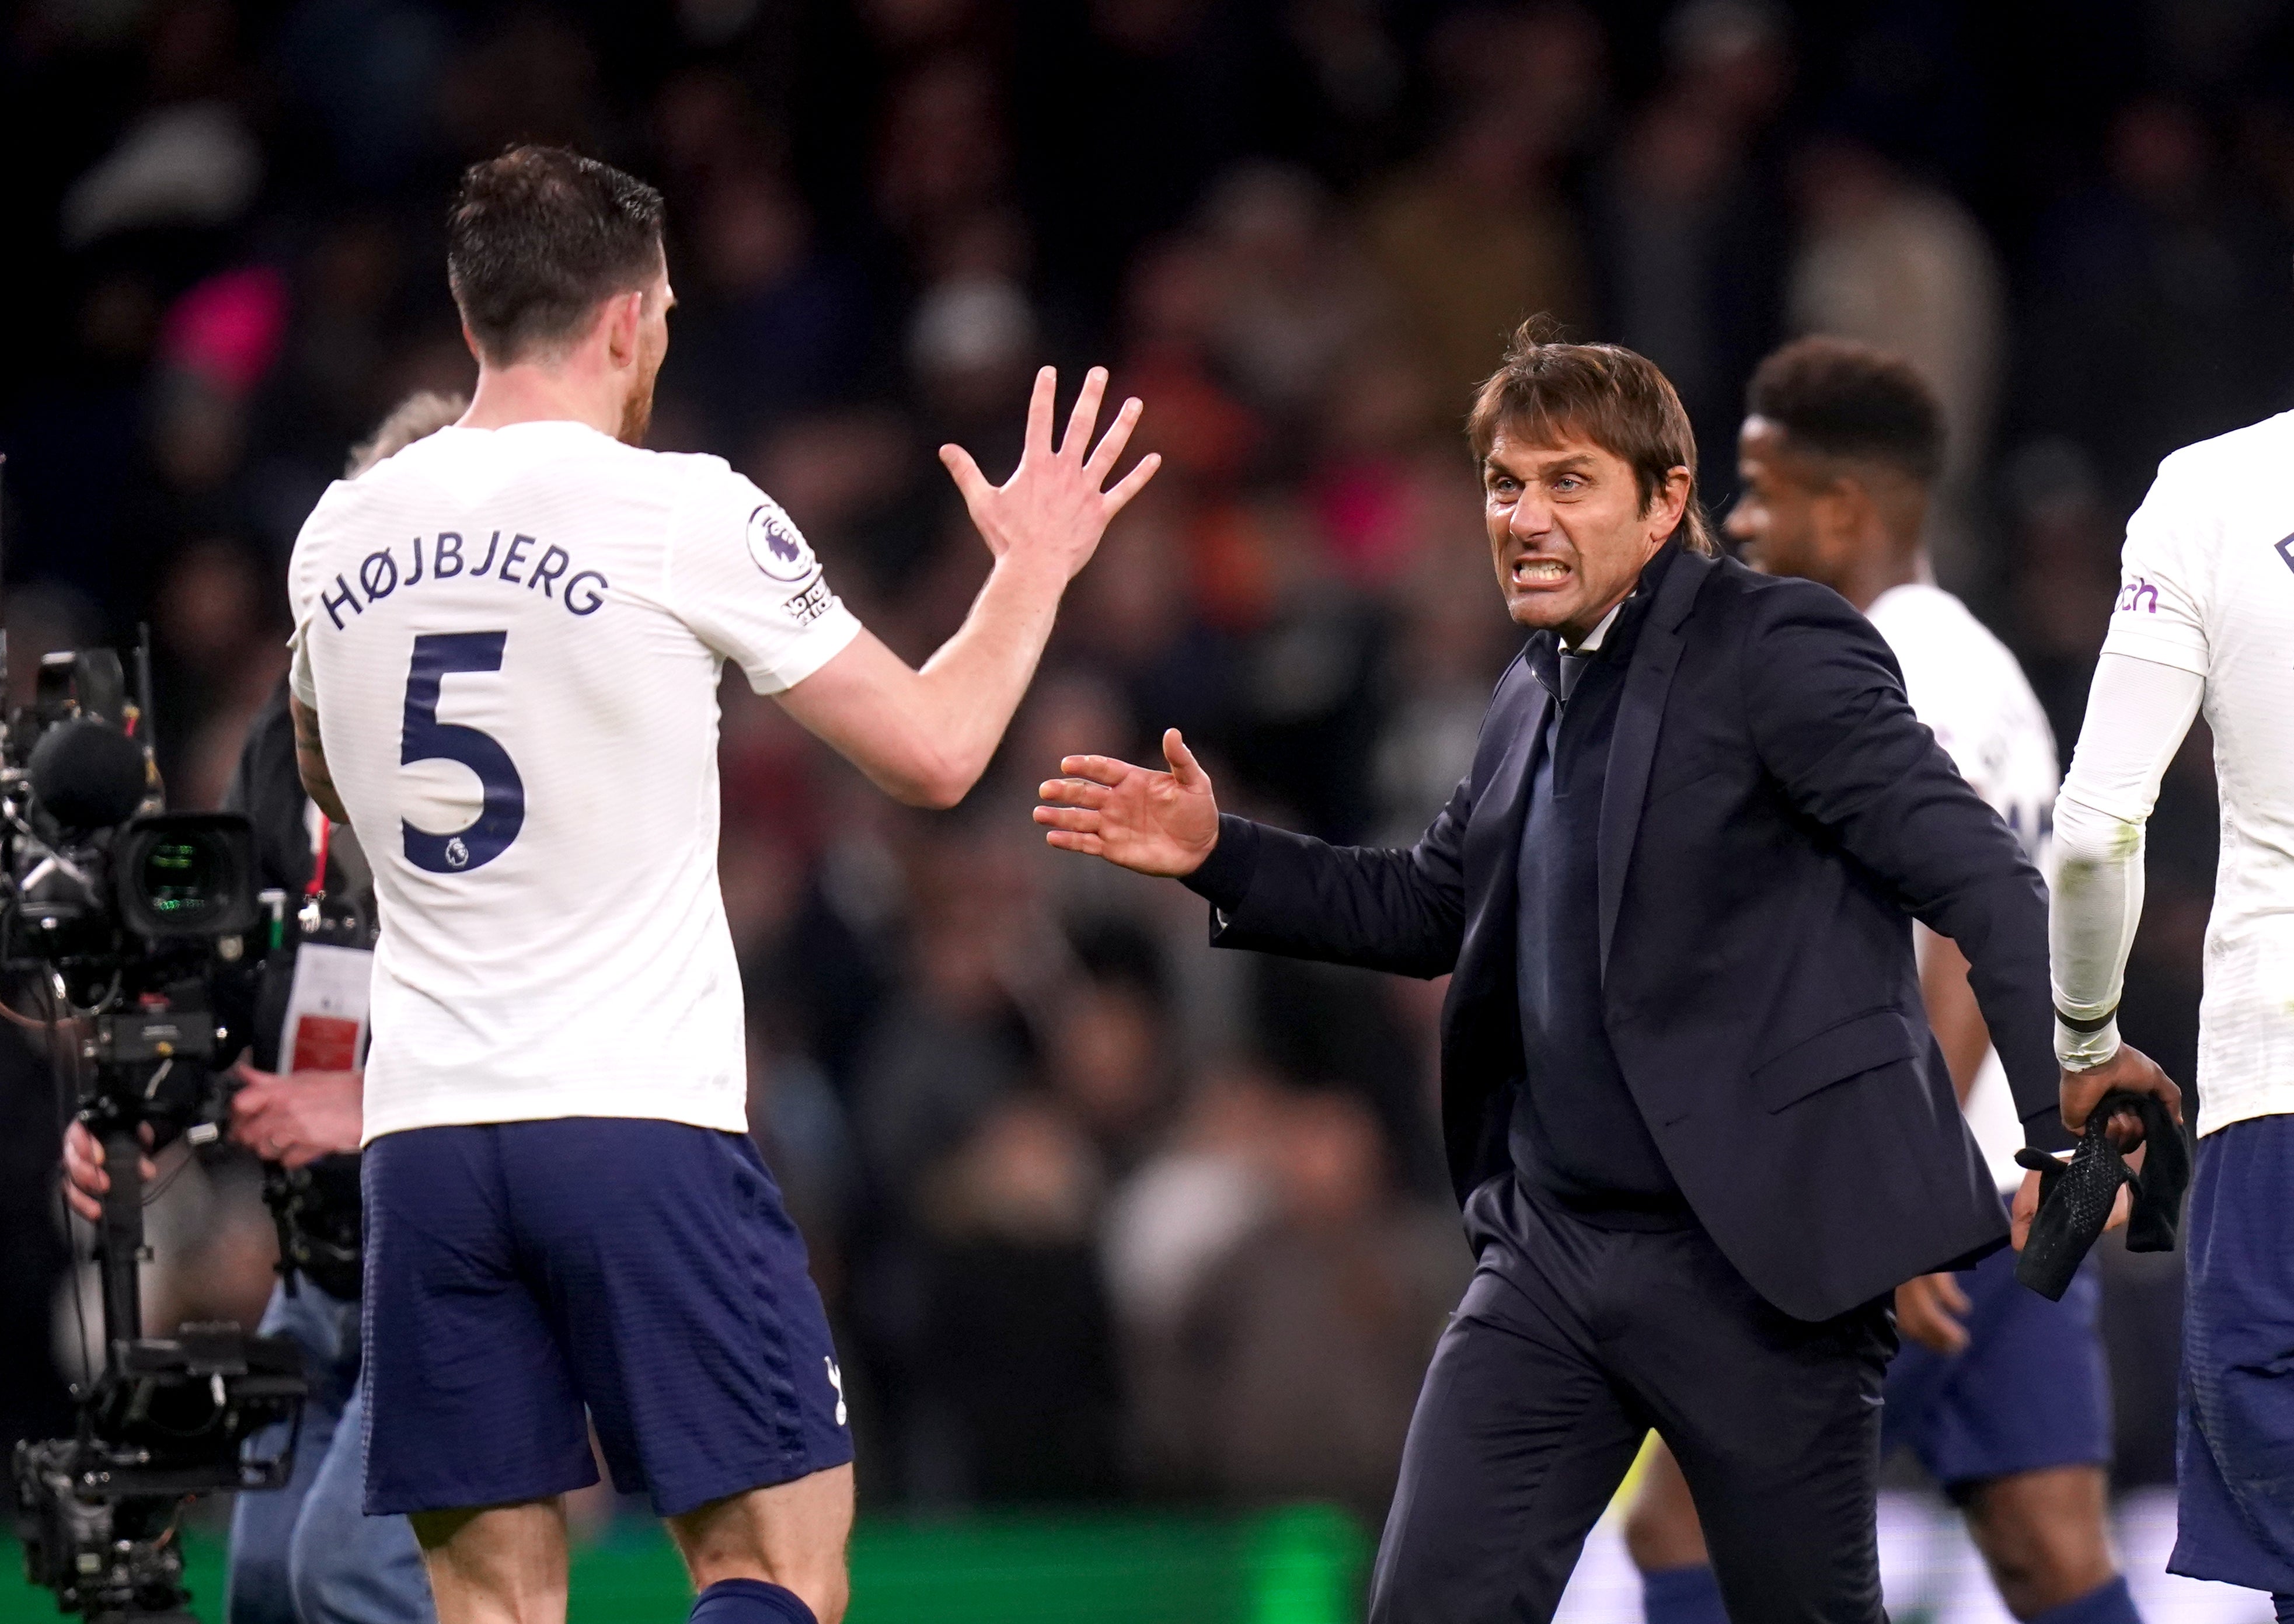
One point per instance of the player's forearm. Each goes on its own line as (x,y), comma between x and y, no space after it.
(2095,902)
(2137,713)
(925,737)
(1954,1016)
(966,694)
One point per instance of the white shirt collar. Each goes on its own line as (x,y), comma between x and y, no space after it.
(1593,638)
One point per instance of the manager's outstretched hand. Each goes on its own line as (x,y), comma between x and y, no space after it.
(1052,510)
(1155,823)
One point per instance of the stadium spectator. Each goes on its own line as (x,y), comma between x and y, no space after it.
(1904,266)
(1298,1350)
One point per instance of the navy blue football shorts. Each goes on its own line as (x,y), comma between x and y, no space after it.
(2234,1434)
(527,1279)
(2029,1391)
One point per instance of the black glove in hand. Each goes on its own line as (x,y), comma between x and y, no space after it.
(2075,1201)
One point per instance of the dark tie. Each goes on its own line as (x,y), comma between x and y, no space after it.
(1572,667)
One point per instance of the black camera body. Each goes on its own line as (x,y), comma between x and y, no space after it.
(168,1419)
(101,886)
(128,919)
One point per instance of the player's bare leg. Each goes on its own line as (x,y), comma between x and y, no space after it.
(496,1564)
(1662,1531)
(2042,1536)
(1666,1542)
(2041,1533)
(792,1535)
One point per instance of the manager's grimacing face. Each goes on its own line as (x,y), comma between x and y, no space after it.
(1567,531)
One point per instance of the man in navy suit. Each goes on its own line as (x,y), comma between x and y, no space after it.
(1691,1104)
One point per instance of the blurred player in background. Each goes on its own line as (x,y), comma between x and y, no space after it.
(307,1555)
(2205,618)
(507,644)
(2001,1393)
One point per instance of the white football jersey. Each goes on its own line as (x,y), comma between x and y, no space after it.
(2206,586)
(1969,690)
(512,638)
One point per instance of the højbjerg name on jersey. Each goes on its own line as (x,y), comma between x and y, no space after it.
(380,573)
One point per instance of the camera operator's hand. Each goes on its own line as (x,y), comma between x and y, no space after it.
(85,1178)
(294,1119)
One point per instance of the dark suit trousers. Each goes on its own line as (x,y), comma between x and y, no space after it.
(1573,1341)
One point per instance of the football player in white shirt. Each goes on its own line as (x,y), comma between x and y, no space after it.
(2000,1393)
(2205,622)
(507,648)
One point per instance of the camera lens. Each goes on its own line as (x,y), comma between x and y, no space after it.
(187,875)
(179,877)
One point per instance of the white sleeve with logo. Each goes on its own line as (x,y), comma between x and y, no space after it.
(2135,718)
(2163,580)
(741,574)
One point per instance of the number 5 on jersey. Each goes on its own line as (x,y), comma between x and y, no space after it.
(502,812)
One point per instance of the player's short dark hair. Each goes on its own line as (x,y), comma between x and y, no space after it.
(1842,399)
(1547,391)
(537,238)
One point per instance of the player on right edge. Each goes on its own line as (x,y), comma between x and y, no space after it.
(2205,617)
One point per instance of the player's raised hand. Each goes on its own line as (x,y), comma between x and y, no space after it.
(1135,816)
(1056,505)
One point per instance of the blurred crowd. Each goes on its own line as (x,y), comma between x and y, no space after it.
(1098,1212)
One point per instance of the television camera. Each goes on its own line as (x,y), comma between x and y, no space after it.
(125,922)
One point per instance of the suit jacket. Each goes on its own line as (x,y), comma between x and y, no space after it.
(1772,818)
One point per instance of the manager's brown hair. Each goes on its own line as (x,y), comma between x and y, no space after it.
(1546,392)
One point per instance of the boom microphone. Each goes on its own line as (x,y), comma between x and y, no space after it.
(88,776)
